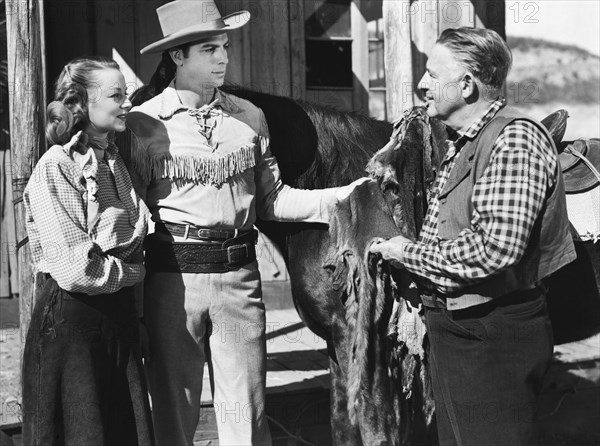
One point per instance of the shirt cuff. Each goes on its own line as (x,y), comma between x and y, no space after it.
(411,257)
(328,202)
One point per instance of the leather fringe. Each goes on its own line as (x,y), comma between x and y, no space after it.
(199,168)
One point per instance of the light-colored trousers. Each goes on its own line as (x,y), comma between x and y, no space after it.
(192,318)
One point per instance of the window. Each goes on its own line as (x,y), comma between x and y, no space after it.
(329,78)
(345,55)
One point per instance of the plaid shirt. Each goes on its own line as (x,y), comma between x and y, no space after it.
(506,202)
(89,254)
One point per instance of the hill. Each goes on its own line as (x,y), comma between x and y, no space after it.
(548,72)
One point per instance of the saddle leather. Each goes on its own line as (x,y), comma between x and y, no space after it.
(556,123)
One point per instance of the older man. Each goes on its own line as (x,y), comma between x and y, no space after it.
(495,228)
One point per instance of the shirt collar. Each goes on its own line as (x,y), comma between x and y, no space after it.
(474,129)
(171,103)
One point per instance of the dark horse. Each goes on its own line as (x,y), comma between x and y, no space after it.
(380,385)
(380,390)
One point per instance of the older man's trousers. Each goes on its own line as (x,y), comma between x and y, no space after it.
(487,365)
(214,317)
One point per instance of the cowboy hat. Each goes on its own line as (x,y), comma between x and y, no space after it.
(580,163)
(185,21)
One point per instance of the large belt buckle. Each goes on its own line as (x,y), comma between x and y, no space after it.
(203,234)
(234,251)
(431,301)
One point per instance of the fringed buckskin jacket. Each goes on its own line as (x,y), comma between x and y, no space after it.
(212,167)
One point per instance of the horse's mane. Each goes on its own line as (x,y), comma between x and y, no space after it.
(347,141)
(318,146)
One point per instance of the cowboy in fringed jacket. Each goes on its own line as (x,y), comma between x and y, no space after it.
(201,160)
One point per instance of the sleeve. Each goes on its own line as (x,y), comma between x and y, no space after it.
(507,200)
(277,201)
(57,220)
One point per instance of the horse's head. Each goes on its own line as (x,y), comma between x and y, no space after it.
(406,167)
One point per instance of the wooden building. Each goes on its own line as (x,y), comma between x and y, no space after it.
(364,55)
(325,51)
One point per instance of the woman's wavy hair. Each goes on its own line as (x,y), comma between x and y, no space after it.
(68,112)
(481,51)
(162,77)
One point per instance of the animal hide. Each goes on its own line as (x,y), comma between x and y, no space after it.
(387,347)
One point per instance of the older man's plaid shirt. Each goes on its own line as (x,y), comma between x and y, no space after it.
(506,203)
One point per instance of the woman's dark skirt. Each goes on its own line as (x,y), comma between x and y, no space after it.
(82,377)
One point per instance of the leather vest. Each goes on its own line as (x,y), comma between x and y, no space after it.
(550,244)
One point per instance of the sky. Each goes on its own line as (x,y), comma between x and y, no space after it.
(574,22)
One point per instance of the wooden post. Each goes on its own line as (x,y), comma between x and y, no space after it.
(360,54)
(26,110)
(424,33)
(398,57)
(297,47)
(411,28)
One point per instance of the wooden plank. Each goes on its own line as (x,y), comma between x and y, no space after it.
(496,16)
(69,33)
(115,28)
(303,414)
(360,58)
(398,57)
(490,14)
(456,13)
(424,33)
(240,63)
(480,13)
(146,30)
(270,36)
(297,50)
(10,382)
(26,111)
(9,283)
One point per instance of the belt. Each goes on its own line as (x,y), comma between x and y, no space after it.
(196,233)
(432,301)
(182,257)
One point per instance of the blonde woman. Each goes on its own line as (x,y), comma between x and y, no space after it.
(82,375)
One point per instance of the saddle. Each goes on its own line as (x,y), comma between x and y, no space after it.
(574,290)
(579,160)
(556,123)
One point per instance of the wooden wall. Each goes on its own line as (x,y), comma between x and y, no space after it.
(266,55)
(420,22)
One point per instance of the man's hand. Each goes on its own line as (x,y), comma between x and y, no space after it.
(344,192)
(391,250)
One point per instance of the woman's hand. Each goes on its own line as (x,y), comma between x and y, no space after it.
(76,139)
